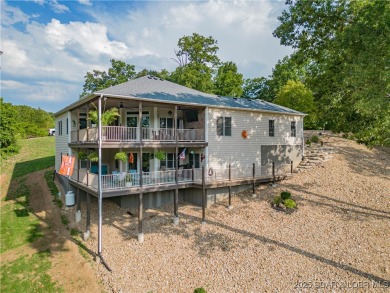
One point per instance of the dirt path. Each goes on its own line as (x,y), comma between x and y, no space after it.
(72,272)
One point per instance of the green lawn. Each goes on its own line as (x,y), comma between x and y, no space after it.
(18,224)
(28,274)
(35,154)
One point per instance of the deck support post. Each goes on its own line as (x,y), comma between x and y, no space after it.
(273,174)
(176,196)
(230,207)
(140,125)
(100,193)
(203,197)
(140,205)
(253,183)
(140,218)
(78,208)
(100,189)
(88,225)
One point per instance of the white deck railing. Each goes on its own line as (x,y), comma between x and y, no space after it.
(122,133)
(122,180)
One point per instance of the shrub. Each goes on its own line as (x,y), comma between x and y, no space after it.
(290,203)
(285,195)
(200,290)
(314,138)
(284,200)
(277,200)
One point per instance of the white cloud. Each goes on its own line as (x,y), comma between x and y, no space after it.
(59,51)
(47,62)
(243,31)
(40,2)
(85,2)
(11,15)
(57,7)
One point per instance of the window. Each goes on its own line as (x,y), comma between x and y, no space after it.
(83,120)
(271,128)
(60,127)
(169,162)
(166,122)
(67,126)
(293,129)
(224,126)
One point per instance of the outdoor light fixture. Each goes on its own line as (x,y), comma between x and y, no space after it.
(121,105)
(170,113)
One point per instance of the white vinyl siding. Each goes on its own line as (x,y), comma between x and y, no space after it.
(241,152)
(61,140)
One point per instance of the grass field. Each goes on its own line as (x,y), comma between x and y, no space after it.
(35,154)
(18,224)
(28,274)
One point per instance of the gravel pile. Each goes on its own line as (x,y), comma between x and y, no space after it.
(337,239)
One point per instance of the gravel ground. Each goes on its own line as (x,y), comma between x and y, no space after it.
(337,239)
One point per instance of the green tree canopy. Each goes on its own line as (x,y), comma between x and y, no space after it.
(228,81)
(8,132)
(295,95)
(197,59)
(119,72)
(197,49)
(347,45)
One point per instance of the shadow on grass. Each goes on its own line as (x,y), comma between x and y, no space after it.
(27,167)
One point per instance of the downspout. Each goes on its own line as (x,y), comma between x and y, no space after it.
(100,191)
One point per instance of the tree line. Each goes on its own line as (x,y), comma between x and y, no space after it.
(17,122)
(338,73)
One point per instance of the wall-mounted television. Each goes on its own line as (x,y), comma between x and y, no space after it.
(192,115)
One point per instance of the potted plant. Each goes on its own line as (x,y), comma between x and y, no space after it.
(160,155)
(108,116)
(121,156)
(93,157)
(82,156)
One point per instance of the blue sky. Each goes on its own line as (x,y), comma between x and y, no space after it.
(49,45)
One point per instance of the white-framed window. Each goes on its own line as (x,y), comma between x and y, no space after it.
(60,127)
(166,122)
(293,129)
(169,162)
(224,126)
(271,128)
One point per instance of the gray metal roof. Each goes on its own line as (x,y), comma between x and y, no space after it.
(156,89)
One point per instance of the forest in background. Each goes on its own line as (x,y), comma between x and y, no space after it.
(18,122)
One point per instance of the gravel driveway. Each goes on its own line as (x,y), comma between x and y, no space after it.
(338,239)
